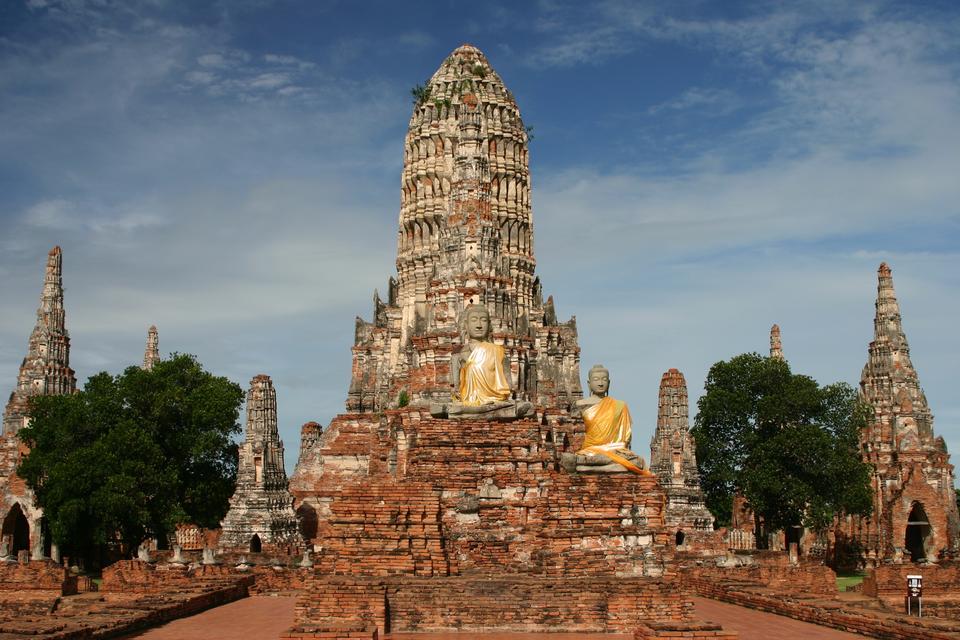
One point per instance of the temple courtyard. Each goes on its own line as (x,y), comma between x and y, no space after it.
(481,480)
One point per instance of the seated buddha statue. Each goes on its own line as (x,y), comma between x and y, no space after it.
(479,374)
(606,446)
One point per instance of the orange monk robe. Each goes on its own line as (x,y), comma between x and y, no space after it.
(482,378)
(608,431)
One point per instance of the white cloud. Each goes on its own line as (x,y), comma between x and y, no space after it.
(720,101)
(211,60)
(269,81)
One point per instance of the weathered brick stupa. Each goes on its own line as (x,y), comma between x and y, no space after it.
(422,523)
(673,458)
(466,236)
(261,516)
(914,510)
(44,371)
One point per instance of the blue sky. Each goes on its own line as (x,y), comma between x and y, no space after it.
(230,172)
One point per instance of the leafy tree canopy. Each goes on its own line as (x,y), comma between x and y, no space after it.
(131,456)
(788,445)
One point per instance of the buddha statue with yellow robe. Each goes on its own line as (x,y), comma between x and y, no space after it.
(479,374)
(606,445)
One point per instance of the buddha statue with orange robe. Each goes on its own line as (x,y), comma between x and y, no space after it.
(606,445)
(479,374)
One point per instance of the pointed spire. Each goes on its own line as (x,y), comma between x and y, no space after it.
(46,368)
(889,381)
(887,323)
(261,410)
(151,355)
(673,425)
(673,457)
(776,347)
(261,505)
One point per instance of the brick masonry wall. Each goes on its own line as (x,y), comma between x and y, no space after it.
(833,613)
(941,586)
(431,604)
(42,575)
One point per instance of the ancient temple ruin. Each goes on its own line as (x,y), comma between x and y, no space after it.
(914,512)
(673,458)
(422,522)
(261,516)
(465,237)
(44,371)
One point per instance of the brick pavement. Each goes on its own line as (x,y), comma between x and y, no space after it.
(753,624)
(265,617)
(256,618)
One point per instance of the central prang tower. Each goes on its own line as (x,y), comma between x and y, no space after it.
(427,513)
(466,237)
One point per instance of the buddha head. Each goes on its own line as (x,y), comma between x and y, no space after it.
(598,380)
(476,322)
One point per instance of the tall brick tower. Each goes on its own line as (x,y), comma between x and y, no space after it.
(914,512)
(44,371)
(466,237)
(151,354)
(776,346)
(46,368)
(674,461)
(261,516)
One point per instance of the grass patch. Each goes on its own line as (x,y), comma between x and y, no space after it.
(847,580)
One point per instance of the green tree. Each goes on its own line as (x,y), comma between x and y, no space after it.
(131,456)
(789,446)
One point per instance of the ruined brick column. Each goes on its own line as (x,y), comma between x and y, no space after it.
(46,368)
(151,355)
(674,461)
(914,511)
(776,348)
(261,515)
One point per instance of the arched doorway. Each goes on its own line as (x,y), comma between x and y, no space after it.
(255,545)
(307,516)
(791,535)
(17,530)
(679,538)
(918,532)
